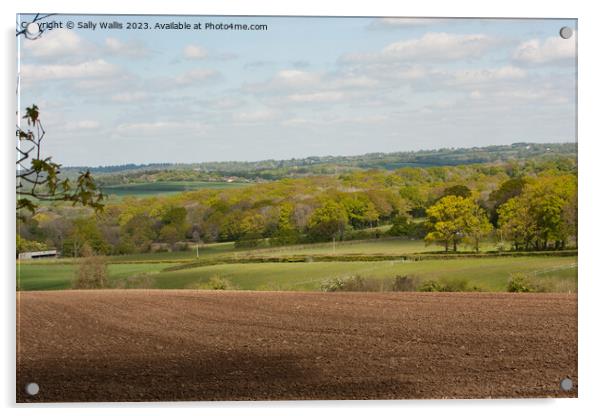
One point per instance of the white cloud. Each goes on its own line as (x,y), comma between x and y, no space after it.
(553,49)
(256,116)
(430,47)
(336,120)
(487,75)
(129,127)
(440,46)
(158,128)
(476,94)
(57,44)
(196,76)
(224,103)
(529,94)
(131,49)
(285,81)
(128,97)
(360,81)
(82,125)
(90,69)
(317,97)
(195,52)
(402,22)
(295,78)
(306,86)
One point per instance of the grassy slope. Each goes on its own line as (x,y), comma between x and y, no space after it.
(59,276)
(207,251)
(487,274)
(366,247)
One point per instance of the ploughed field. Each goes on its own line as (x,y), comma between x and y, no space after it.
(150,345)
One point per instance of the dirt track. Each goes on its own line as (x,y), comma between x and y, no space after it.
(191,345)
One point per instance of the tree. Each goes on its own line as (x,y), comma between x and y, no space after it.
(286,233)
(251,229)
(453,219)
(174,225)
(544,213)
(328,222)
(570,217)
(169,234)
(137,233)
(360,210)
(24,245)
(508,189)
(38,178)
(85,232)
(516,223)
(175,216)
(478,227)
(457,190)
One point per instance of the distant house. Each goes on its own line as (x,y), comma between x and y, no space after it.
(32,255)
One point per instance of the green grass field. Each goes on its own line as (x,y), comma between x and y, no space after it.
(152,270)
(385,246)
(163,188)
(489,274)
(49,276)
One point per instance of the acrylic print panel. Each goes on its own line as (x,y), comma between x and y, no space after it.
(291,208)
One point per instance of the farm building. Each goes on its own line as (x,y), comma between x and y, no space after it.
(32,255)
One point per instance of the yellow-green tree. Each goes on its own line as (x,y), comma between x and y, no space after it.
(286,232)
(454,219)
(478,227)
(516,223)
(543,216)
(328,221)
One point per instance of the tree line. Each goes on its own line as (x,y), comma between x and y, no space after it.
(531,205)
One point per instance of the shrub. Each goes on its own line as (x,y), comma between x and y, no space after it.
(404,284)
(92,271)
(219,283)
(455,285)
(353,284)
(519,282)
(431,286)
(29,245)
(332,285)
(404,227)
(448,285)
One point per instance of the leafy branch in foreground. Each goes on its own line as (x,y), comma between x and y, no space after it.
(38,178)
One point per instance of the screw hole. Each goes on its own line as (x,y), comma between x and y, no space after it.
(566,32)
(32,389)
(566,384)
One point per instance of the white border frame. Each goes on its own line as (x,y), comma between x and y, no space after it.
(590,34)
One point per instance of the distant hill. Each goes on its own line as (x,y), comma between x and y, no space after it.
(321,165)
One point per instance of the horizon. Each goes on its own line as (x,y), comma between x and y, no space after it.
(319,156)
(304,86)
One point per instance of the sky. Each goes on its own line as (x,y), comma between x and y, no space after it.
(304,87)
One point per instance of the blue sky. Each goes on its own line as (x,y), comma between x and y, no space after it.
(306,86)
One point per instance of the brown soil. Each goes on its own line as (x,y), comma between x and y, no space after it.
(138,345)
